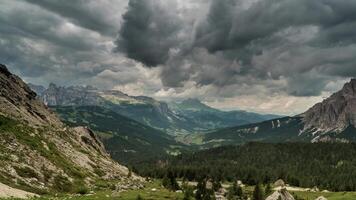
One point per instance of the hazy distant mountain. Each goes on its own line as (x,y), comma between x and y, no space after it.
(212,118)
(38,153)
(39,89)
(334,119)
(185,117)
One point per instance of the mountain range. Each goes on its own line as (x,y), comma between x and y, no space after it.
(332,120)
(174,118)
(39,153)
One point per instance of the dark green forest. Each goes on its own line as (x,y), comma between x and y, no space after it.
(330,166)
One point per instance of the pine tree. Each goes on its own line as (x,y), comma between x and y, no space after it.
(201,190)
(257,193)
(268,189)
(169,181)
(216,185)
(235,192)
(165,182)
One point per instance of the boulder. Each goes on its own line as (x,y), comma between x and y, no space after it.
(281,194)
(279,183)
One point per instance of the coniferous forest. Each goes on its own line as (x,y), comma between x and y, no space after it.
(330,166)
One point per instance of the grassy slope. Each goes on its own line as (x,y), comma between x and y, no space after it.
(10,130)
(146,193)
(163,194)
(125,139)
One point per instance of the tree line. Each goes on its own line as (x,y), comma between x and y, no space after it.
(330,166)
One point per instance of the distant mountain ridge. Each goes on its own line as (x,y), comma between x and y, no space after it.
(184,117)
(213,118)
(333,120)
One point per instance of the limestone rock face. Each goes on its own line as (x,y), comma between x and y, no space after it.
(19,101)
(282,194)
(335,113)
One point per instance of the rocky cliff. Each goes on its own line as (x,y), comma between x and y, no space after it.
(335,113)
(39,154)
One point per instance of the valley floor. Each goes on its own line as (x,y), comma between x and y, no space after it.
(153,191)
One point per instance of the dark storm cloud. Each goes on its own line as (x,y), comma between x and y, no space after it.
(93,15)
(306,43)
(228,28)
(41,45)
(149,32)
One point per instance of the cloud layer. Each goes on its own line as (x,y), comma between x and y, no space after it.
(304,42)
(223,52)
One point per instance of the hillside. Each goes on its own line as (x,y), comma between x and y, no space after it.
(39,154)
(125,139)
(332,120)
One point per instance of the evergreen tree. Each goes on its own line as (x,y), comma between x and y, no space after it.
(216,185)
(257,193)
(235,192)
(169,181)
(268,189)
(202,192)
(188,193)
(199,194)
(165,181)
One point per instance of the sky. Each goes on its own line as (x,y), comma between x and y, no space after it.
(267,56)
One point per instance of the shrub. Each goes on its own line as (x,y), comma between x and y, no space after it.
(62,184)
(82,190)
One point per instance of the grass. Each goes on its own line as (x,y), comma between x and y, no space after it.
(328,195)
(146,194)
(163,194)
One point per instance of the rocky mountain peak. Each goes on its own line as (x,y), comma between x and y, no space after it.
(52,86)
(335,113)
(19,101)
(349,88)
(4,70)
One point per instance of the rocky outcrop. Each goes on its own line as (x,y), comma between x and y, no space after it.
(19,101)
(69,96)
(7,192)
(335,113)
(321,198)
(281,194)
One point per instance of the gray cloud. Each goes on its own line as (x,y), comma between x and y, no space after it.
(42,46)
(149,32)
(290,40)
(206,48)
(101,16)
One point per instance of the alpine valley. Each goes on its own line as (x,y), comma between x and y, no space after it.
(42,153)
(178,99)
(137,127)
